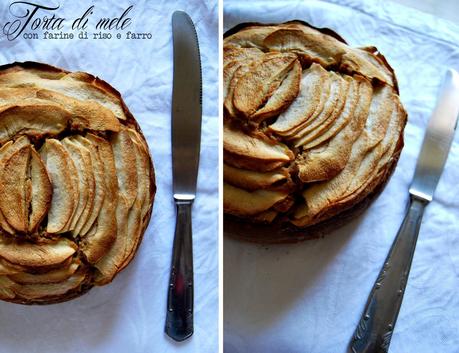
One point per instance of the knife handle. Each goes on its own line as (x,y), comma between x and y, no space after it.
(374,331)
(179,320)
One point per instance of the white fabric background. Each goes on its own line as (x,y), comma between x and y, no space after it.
(308,297)
(128,315)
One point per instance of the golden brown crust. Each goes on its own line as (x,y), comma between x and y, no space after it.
(91,146)
(344,128)
(313,44)
(265,232)
(67,110)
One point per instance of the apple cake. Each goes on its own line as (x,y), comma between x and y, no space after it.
(76,179)
(313,128)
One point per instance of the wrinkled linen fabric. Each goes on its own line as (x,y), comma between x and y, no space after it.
(308,297)
(128,315)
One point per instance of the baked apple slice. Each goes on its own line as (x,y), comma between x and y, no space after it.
(250,152)
(124,152)
(324,161)
(257,86)
(245,203)
(65,195)
(282,97)
(15,188)
(314,91)
(103,232)
(99,185)
(52,276)
(37,256)
(41,191)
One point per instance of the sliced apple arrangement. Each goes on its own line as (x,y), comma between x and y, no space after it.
(312,126)
(76,179)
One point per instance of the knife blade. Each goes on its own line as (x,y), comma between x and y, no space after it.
(437,140)
(377,323)
(186,140)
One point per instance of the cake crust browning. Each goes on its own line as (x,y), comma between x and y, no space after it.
(69,144)
(342,131)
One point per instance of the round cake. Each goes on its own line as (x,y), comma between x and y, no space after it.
(313,129)
(76,179)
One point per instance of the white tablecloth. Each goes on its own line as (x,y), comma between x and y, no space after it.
(128,315)
(308,297)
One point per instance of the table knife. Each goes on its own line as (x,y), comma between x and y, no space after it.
(374,331)
(186,141)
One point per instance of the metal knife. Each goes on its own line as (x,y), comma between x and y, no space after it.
(186,141)
(374,331)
